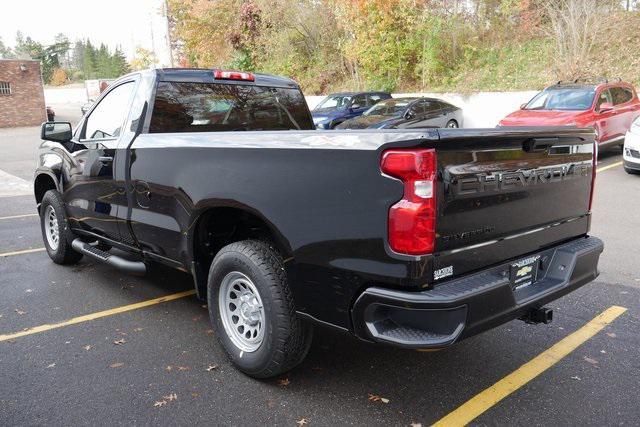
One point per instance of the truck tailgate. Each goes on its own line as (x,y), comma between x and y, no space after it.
(505,193)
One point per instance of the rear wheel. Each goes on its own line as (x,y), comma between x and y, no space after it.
(452,124)
(56,233)
(252,310)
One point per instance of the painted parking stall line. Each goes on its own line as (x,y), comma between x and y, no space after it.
(21,252)
(97,315)
(611,166)
(491,396)
(18,216)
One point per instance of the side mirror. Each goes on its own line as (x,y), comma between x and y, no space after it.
(408,114)
(56,132)
(356,106)
(523,106)
(604,107)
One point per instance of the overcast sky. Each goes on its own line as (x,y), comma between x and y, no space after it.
(124,23)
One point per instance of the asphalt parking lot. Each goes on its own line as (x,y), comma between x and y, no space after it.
(90,345)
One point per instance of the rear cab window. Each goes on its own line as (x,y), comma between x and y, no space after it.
(219,107)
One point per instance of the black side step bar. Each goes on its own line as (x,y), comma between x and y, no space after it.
(134,267)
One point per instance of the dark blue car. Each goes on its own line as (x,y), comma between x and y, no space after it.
(338,107)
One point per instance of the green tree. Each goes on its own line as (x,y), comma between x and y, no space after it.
(5,51)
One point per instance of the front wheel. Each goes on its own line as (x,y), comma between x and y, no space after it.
(452,124)
(252,310)
(56,233)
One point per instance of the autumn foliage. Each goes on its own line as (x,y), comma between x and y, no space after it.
(381,44)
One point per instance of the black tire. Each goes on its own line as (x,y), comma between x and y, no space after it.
(286,338)
(63,253)
(452,124)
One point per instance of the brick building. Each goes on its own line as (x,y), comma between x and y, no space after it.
(21,93)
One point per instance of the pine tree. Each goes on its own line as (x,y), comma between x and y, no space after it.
(119,63)
(89,61)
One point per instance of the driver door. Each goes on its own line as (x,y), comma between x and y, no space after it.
(92,195)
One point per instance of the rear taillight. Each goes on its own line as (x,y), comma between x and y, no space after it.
(594,167)
(233,75)
(412,220)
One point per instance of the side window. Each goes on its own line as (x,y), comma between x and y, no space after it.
(374,98)
(604,96)
(107,118)
(432,106)
(418,108)
(620,95)
(360,100)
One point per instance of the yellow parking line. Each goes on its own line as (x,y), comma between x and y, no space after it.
(521,376)
(25,251)
(18,216)
(611,166)
(93,316)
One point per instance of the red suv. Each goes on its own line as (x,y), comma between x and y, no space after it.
(608,107)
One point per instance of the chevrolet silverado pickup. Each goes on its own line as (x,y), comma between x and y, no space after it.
(415,238)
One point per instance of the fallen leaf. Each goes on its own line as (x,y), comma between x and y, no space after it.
(204,305)
(376,398)
(159,403)
(302,422)
(170,397)
(183,368)
(212,368)
(120,341)
(414,424)
(138,329)
(195,394)
(168,368)
(87,347)
(611,334)
(29,291)
(577,378)
(590,360)
(209,331)
(116,365)
(283,382)
(603,351)
(20,312)
(196,319)
(51,365)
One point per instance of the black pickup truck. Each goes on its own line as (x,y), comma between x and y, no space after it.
(414,238)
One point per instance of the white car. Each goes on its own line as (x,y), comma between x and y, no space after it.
(631,151)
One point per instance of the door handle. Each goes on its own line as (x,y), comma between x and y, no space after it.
(105,159)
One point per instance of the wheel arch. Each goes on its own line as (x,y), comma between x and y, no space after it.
(44,181)
(220,224)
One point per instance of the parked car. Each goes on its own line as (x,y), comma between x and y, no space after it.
(51,115)
(407,113)
(631,149)
(608,107)
(413,238)
(338,107)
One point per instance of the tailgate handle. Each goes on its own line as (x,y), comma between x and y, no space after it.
(538,144)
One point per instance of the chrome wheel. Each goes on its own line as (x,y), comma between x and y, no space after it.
(241,311)
(51,229)
(452,125)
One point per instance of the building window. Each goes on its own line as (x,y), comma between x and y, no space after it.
(5,88)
